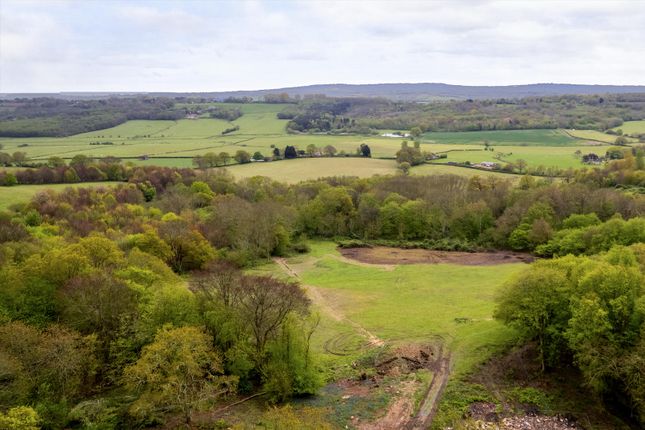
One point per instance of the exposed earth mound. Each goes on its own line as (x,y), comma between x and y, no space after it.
(386,255)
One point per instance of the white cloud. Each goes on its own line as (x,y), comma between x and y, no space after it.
(208,46)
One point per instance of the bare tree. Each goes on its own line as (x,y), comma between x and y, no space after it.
(265,303)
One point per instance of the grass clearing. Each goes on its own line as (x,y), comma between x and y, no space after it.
(414,303)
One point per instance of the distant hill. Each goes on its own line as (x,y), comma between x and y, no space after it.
(409,92)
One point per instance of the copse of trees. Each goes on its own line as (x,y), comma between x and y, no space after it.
(360,115)
(586,311)
(228,114)
(39,117)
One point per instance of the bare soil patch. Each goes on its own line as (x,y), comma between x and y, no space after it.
(382,255)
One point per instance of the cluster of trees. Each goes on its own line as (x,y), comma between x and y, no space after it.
(322,115)
(98,330)
(587,312)
(82,168)
(210,159)
(228,114)
(571,111)
(57,117)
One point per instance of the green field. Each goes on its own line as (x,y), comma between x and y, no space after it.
(632,127)
(292,171)
(503,137)
(173,143)
(23,193)
(596,137)
(563,157)
(413,303)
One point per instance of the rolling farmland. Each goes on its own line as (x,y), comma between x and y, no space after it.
(174,143)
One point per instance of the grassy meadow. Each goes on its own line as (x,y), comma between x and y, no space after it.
(291,171)
(630,127)
(416,303)
(174,143)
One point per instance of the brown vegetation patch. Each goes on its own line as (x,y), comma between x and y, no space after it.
(408,359)
(385,255)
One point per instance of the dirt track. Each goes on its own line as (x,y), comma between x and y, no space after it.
(388,256)
(399,412)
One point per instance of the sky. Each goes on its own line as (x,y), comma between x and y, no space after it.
(199,45)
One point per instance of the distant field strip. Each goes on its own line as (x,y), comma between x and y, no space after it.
(503,137)
(261,131)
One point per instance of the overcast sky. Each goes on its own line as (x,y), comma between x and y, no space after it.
(194,45)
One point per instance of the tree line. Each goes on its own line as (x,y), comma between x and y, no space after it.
(361,115)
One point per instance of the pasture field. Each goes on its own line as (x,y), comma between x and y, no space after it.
(368,309)
(23,193)
(413,303)
(260,130)
(292,171)
(630,127)
(503,137)
(562,157)
(596,137)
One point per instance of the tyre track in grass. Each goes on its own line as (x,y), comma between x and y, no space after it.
(318,299)
(398,413)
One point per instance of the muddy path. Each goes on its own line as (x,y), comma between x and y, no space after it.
(386,256)
(430,402)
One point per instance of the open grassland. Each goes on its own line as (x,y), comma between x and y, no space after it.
(23,193)
(297,170)
(292,171)
(630,127)
(596,137)
(562,157)
(173,143)
(503,137)
(411,303)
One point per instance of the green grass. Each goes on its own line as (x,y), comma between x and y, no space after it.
(23,193)
(595,136)
(260,130)
(503,137)
(630,127)
(291,171)
(415,303)
(562,157)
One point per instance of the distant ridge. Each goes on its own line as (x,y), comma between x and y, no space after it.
(400,91)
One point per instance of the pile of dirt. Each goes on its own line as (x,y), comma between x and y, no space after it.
(385,255)
(409,359)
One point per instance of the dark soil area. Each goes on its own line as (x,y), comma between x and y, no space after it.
(386,255)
